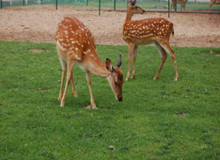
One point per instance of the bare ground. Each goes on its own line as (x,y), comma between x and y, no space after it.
(39,23)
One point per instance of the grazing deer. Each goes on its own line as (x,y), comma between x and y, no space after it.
(141,32)
(181,2)
(75,44)
(212,2)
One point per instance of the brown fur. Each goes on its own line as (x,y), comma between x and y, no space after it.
(75,44)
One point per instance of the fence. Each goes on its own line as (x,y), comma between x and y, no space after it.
(192,6)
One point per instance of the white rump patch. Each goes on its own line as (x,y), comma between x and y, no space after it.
(60,46)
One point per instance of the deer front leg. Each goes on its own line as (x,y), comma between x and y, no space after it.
(130,52)
(92,105)
(134,61)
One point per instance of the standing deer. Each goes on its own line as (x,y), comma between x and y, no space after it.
(75,44)
(212,2)
(141,32)
(181,2)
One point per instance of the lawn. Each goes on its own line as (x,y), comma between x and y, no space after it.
(160,119)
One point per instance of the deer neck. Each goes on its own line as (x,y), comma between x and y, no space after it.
(129,16)
(96,66)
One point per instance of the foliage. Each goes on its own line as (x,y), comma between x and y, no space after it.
(160,119)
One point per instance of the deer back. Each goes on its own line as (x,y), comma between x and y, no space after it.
(74,39)
(146,30)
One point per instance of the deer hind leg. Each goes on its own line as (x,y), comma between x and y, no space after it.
(92,105)
(130,52)
(134,61)
(73,85)
(212,3)
(61,85)
(184,6)
(63,63)
(172,4)
(163,55)
(168,49)
(70,64)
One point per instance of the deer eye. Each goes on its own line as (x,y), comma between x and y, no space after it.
(120,77)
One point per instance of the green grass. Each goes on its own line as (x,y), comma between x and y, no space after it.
(160,119)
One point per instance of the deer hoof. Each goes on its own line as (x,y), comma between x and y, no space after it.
(91,107)
(59,98)
(75,94)
(62,104)
(155,78)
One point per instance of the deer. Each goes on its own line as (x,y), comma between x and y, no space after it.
(143,32)
(181,2)
(76,45)
(212,2)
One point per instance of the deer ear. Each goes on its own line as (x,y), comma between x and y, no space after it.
(119,61)
(109,65)
(132,2)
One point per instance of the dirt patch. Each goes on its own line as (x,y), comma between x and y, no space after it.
(183,115)
(39,23)
(38,50)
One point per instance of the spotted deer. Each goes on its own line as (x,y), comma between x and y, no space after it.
(181,2)
(75,44)
(142,32)
(212,2)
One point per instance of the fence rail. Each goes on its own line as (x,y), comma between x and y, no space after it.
(192,6)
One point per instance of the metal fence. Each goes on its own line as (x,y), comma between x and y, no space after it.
(192,6)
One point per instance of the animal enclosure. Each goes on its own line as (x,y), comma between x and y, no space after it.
(38,23)
(197,6)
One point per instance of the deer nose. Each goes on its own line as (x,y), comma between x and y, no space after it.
(120,99)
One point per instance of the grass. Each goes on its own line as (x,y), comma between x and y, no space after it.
(160,119)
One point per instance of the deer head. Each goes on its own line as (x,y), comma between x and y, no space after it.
(115,77)
(133,8)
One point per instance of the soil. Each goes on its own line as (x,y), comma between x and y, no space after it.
(39,23)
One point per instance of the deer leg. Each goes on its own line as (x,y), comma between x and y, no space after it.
(184,7)
(69,77)
(134,61)
(61,84)
(212,3)
(73,85)
(130,52)
(92,105)
(163,55)
(63,64)
(172,5)
(181,5)
(168,49)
